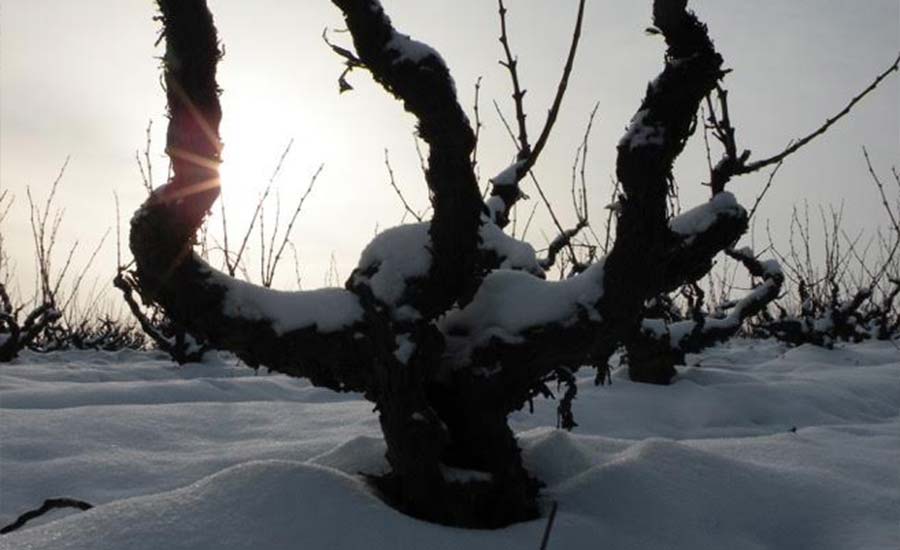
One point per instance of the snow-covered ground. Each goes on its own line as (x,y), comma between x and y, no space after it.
(757,447)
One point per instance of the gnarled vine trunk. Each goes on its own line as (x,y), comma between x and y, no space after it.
(446,353)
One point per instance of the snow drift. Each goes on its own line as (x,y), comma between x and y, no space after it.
(755,446)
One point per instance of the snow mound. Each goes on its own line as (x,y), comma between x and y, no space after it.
(755,446)
(705,500)
(271,504)
(360,455)
(266,504)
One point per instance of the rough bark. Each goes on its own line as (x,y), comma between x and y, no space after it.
(427,91)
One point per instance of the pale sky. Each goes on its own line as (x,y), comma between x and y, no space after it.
(82,79)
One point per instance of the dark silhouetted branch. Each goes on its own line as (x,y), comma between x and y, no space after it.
(48,505)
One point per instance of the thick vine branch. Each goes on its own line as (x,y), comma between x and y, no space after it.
(593,311)
(417,75)
(308,334)
(657,346)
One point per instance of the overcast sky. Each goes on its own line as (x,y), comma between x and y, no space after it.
(81,79)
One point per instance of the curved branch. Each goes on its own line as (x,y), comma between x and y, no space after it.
(192,94)
(316,334)
(700,234)
(696,336)
(313,334)
(49,504)
(417,75)
(496,346)
(656,346)
(638,266)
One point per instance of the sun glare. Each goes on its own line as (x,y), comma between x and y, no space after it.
(244,173)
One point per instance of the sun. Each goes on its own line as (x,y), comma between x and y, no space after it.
(245,173)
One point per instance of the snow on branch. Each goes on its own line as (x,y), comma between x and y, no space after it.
(509,304)
(701,218)
(411,50)
(582,319)
(700,234)
(391,264)
(693,338)
(327,309)
(313,334)
(508,252)
(657,346)
(417,75)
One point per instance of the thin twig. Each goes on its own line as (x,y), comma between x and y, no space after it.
(393,183)
(293,219)
(257,213)
(546,538)
(765,190)
(518,94)
(560,91)
(505,122)
(878,184)
(800,143)
(478,125)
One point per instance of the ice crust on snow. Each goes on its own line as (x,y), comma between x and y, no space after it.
(171,456)
(329,309)
(702,217)
(399,253)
